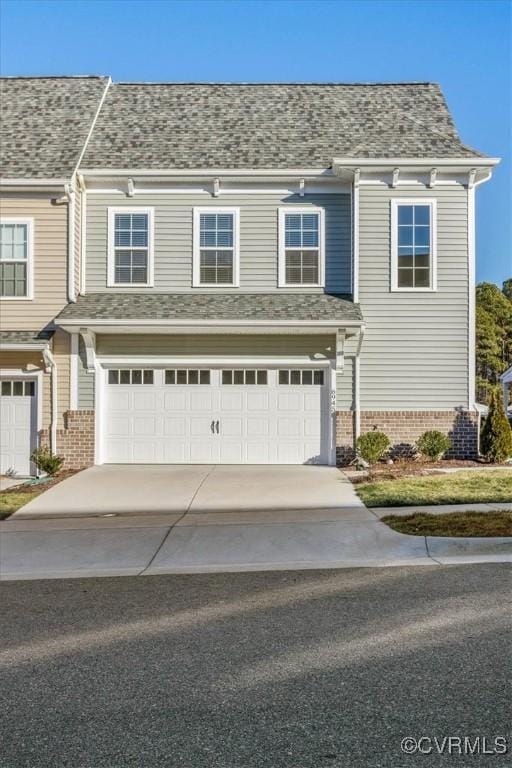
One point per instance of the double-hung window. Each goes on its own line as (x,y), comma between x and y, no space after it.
(413,245)
(216,247)
(16,256)
(130,247)
(301,247)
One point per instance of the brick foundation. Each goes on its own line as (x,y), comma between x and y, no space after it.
(76,441)
(403,429)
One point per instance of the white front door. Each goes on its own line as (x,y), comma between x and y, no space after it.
(230,415)
(18,425)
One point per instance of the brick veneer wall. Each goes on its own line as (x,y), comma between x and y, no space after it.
(404,427)
(76,441)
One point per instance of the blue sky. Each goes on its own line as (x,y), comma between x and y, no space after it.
(463,45)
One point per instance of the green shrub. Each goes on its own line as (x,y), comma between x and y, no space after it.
(46,461)
(372,446)
(434,444)
(496,435)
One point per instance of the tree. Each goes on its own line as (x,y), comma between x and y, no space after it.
(493,336)
(496,436)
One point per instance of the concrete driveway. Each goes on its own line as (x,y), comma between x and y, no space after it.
(253,491)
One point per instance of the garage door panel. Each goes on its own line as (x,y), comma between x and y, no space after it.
(265,420)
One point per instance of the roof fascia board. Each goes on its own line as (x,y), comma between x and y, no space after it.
(202,324)
(412,162)
(20,347)
(36,183)
(207,172)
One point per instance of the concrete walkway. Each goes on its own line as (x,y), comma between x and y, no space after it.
(111,521)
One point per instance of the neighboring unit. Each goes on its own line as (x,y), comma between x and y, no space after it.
(266,271)
(45,123)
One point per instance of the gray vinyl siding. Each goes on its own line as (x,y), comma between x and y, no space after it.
(415,351)
(258,239)
(85,380)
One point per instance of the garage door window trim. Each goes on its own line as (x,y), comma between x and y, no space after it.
(128,241)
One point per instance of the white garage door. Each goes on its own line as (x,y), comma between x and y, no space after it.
(18,425)
(216,415)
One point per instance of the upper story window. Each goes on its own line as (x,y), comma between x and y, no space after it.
(301,247)
(16,256)
(216,247)
(130,247)
(413,245)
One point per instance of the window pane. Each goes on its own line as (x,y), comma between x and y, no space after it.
(422,278)
(227,377)
(6,388)
(140,221)
(204,377)
(136,377)
(238,377)
(148,377)
(170,377)
(262,377)
(181,377)
(17,388)
(113,377)
(250,377)
(124,377)
(405,278)
(284,377)
(318,377)
(422,214)
(216,267)
(193,377)
(405,261)
(13,241)
(405,235)
(294,377)
(422,236)
(307,377)
(293,276)
(422,260)
(405,214)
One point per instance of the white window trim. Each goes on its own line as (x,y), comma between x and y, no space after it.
(111,283)
(282,246)
(196,259)
(432,202)
(29,222)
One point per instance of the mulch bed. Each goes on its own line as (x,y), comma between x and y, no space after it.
(411,468)
(31,487)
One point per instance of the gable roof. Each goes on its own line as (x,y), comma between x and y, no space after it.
(173,126)
(44,123)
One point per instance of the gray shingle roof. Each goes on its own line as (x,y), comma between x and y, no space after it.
(44,123)
(25,337)
(169,126)
(203,306)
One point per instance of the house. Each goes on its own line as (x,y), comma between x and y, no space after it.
(267,271)
(45,122)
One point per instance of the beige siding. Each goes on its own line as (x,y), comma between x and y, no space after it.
(50,260)
(258,239)
(415,351)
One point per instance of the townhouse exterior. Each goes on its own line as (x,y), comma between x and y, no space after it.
(264,272)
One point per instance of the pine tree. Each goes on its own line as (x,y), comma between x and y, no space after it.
(496,436)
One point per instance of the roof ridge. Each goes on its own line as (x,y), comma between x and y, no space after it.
(320,83)
(54,77)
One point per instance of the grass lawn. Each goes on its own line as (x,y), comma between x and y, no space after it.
(497,523)
(458,488)
(11,501)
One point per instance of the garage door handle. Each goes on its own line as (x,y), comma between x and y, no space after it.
(217,425)
(212,427)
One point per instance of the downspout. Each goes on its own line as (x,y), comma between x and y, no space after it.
(357,386)
(51,366)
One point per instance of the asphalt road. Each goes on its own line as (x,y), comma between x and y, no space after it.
(285,670)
